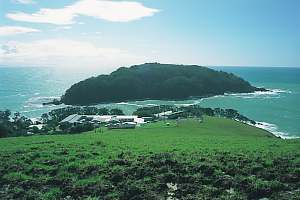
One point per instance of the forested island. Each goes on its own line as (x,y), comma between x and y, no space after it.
(155,81)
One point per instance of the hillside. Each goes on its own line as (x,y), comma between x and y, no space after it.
(155,81)
(215,159)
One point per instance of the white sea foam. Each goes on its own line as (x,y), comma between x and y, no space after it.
(282,91)
(271,93)
(185,104)
(151,104)
(272,128)
(129,104)
(122,103)
(30,111)
(37,102)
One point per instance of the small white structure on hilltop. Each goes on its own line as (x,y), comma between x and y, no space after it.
(169,114)
(78,119)
(38,126)
(164,114)
(36,121)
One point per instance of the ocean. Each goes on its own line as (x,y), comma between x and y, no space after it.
(278,110)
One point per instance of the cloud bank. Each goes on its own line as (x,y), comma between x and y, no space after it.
(63,53)
(114,11)
(14,30)
(23,1)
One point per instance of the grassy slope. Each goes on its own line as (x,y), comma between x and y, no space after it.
(86,164)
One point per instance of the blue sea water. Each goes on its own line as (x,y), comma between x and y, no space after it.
(25,89)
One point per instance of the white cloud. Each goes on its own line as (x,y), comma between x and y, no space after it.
(115,11)
(63,53)
(24,1)
(14,30)
(62,28)
(66,27)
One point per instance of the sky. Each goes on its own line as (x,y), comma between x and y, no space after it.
(109,33)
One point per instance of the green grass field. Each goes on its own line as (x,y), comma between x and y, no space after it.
(215,159)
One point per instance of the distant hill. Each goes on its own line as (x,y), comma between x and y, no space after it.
(155,81)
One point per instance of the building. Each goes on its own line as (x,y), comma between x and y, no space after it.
(163,115)
(38,126)
(169,115)
(72,119)
(36,121)
(121,125)
(98,119)
(148,119)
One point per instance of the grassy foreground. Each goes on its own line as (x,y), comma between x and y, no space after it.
(216,159)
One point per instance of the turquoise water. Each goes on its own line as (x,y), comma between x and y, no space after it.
(25,89)
(279,109)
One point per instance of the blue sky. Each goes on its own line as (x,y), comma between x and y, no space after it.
(109,34)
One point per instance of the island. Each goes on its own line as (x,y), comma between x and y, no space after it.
(155,81)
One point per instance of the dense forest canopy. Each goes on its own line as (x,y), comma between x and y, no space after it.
(155,81)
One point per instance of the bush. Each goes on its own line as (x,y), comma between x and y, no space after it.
(79,128)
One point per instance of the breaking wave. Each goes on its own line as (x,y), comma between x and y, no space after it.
(272,128)
(271,93)
(185,104)
(128,104)
(151,104)
(37,102)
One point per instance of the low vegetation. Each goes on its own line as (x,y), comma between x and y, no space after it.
(192,111)
(216,158)
(17,125)
(14,124)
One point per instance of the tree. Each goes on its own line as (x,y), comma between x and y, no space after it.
(116,111)
(13,127)
(4,130)
(65,126)
(17,116)
(35,129)
(45,118)
(89,110)
(5,116)
(103,111)
(81,128)
(21,124)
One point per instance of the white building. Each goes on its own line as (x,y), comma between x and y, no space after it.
(164,114)
(75,118)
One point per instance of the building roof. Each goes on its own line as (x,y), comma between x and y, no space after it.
(39,126)
(72,118)
(102,118)
(163,113)
(126,116)
(36,120)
